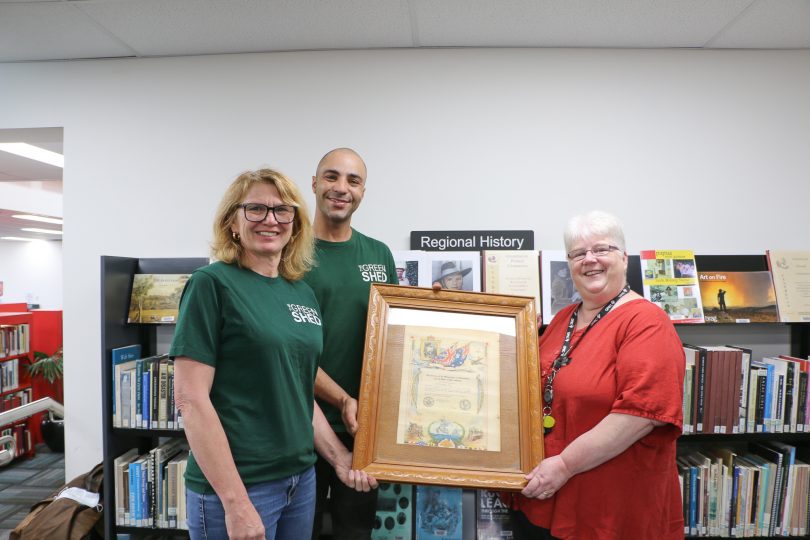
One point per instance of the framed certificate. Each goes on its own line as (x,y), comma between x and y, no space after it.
(450,389)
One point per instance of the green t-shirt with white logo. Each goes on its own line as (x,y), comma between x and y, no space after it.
(263,336)
(341,279)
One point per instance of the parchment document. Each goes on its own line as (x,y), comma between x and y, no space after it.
(450,390)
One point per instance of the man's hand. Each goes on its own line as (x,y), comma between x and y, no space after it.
(357,480)
(348,411)
(242,522)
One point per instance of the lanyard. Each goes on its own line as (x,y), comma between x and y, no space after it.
(564,358)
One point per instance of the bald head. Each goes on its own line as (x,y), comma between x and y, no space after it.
(347,151)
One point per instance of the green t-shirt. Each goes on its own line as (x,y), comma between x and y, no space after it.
(264,337)
(341,280)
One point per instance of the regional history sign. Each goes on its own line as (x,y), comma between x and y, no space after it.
(471,240)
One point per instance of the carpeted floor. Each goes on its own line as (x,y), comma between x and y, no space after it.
(25,482)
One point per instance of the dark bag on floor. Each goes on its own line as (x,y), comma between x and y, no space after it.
(65,519)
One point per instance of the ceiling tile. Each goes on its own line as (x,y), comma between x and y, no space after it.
(52,31)
(574,23)
(182,27)
(769,24)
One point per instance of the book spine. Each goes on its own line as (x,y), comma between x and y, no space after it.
(769,397)
(801,415)
(164,394)
(146,384)
(154,376)
(138,393)
(789,411)
(701,389)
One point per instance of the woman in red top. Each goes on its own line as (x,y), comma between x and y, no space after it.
(612,371)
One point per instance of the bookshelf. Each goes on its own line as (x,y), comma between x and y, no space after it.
(44,335)
(764,339)
(116,278)
(116,283)
(15,384)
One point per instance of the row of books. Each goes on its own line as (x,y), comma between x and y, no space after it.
(22,438)
(728,391)
(150,488)
(143,392)
(9,375)
(670,279)
(431,512)
(760,492)
(15,339)
(15,399)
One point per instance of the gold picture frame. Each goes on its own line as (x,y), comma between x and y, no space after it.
(449,393)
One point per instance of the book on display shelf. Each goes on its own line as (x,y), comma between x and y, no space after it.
(394,516)
(413,268)
(438,513)
(459,270)
(791,280)
(513,272)
(557,285)
(670,281)
(155,298)
(738,297)
(493,520)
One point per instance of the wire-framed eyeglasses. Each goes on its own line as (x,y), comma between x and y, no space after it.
(284,213)
(599,250)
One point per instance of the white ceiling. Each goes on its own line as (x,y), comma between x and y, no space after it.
(33,30)
(42,30)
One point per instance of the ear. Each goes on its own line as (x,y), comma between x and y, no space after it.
(314,183)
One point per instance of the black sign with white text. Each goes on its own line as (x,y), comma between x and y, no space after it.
(471,240)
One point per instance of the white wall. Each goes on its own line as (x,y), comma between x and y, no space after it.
(32,272)
(694,149)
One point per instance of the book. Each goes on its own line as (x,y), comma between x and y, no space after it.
(493,521)
(738,297)
(394,516)
(438,514)
(557,285)
(459,270)
(513,272)
(670,281)
(121,492)
(413,268)
(155,298)
(121,355)
(791,280)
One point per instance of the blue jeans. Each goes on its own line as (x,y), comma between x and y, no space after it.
(286,507)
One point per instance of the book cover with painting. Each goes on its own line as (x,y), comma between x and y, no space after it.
(155,298)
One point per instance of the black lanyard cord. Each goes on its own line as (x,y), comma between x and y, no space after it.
(564,358)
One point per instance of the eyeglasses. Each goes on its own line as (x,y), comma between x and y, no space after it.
(599,250)
(284,213)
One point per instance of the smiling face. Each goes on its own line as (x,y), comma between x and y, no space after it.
(598,279)
(261,241)
(339,185)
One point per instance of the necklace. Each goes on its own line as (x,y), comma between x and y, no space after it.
(564,358)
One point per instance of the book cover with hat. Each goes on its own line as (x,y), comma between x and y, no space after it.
(459,270)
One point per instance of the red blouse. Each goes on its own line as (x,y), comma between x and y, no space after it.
(630,362)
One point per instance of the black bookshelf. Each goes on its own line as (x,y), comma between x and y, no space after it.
(116,287)
(799,345)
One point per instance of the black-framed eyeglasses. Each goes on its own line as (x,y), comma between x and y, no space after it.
(599,250)
(284,213)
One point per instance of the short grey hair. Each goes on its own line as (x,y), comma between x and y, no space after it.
(595,223)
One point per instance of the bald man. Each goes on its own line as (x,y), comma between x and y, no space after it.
(348,262)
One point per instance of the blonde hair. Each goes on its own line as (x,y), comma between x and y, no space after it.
(297,255)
